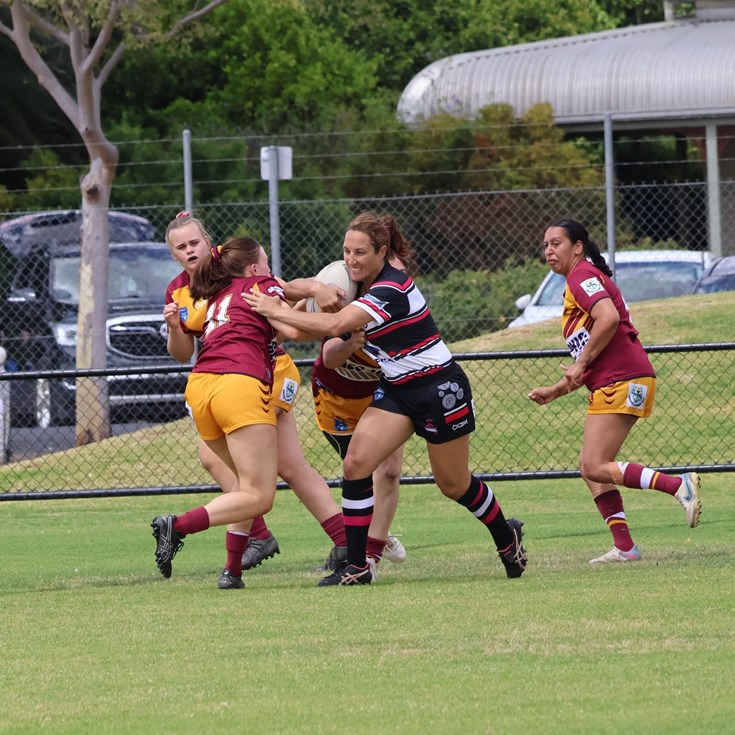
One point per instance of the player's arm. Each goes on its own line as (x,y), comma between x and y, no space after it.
(335,351)
(326,295)
(320,323)
(180,344)
(605,322)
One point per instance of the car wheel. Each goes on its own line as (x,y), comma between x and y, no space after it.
(43,403)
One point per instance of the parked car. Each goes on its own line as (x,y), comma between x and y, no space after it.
(641,275)
(720,276)
(20,234)
(41,311)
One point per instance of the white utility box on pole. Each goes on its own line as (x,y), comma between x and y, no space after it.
(275,164)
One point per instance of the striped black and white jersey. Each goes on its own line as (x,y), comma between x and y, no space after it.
(402,336)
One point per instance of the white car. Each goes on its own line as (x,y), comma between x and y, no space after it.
(720,276)
(641,275)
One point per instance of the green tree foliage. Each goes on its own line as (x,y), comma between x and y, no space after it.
(404,36)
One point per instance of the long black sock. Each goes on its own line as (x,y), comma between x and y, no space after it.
(357,508)
(482,503)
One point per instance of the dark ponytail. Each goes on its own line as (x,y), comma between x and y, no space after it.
(576,232)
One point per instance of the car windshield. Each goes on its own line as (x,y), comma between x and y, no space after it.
(640,281)
(135,273)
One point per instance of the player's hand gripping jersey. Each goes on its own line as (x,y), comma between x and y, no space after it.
(191,313)
(623,357)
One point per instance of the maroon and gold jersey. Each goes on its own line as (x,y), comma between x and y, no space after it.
(624,356)
(236,339)
(357,378)
(191,312)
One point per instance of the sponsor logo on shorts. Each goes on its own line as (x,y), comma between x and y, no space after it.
(450,392)
(379,393)
(429,426)
(591,286)
(636,395)
(340,425)
(460,425)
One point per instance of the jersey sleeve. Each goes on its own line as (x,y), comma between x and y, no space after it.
(382,304)
(587,288)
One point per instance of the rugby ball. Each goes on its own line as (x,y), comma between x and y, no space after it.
(338,275)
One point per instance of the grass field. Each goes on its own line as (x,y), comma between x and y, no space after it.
(94,640)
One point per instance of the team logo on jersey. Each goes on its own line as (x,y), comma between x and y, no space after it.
(273,290)
(376,302)
(636,395)
(183,313)
(591,286)
(289,390)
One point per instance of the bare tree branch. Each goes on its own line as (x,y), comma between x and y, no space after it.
(192,17)
(38,21)
(104,36)
(111,63)
(21,36)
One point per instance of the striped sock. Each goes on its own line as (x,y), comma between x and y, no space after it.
(610,505)
(637,476)
(480,500)
(357,509)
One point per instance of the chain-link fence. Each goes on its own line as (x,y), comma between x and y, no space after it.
(476,254)
(692,426)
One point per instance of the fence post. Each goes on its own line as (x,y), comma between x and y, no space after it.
(4,411)
(275,164)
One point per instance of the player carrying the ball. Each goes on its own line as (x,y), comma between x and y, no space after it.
(422,390)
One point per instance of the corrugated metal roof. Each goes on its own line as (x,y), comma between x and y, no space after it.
(657,70)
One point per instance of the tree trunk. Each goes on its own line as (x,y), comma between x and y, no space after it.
(93,403)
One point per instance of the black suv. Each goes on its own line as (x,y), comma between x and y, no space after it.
(41,324)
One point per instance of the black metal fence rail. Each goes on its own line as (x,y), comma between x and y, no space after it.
(155,453)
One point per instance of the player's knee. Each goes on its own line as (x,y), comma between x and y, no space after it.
(592,471)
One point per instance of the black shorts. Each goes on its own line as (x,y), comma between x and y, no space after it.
(440,407)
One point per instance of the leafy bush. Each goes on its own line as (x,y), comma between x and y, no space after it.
(469,303)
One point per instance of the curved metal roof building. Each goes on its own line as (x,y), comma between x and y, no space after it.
(673,70)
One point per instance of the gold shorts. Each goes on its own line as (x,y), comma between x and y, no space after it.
(337,415)
(219,404)
(633,396)
(286,382)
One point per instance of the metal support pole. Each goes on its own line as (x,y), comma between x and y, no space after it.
(188,178)
(273,208)
(610,190)
(714,203)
